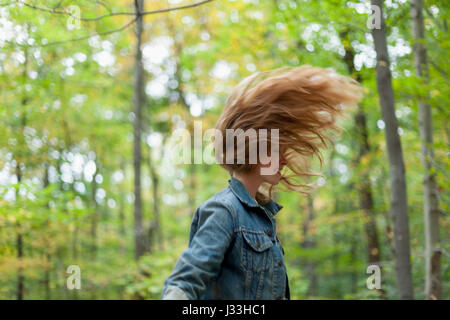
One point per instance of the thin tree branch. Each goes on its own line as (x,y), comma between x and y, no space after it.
(177,8)
(89,36)
(74,16)
(432,17)
(64,12)
(102,4)
(440,70)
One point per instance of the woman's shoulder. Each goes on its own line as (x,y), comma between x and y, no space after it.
(219,207)
(223,197)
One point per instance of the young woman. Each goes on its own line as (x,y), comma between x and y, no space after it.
(234,251)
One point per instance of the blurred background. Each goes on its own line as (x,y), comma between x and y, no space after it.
(91,93)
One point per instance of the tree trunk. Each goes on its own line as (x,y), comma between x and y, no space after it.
(122,205)
(156,225)
(19,242)
(365,191)
(20,277)
(94,216)
(433,281)
(399,205)
(47,242)
(309,243)
(353,234)
(140,242)
(178,46)
(19,174)
(335,275)
(364,185)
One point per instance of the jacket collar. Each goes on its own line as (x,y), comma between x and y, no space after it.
(244,196)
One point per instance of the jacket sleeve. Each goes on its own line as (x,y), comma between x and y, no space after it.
(211,233)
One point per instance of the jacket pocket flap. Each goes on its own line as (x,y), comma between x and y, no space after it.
(257,241)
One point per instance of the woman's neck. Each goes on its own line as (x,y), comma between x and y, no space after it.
(250,181)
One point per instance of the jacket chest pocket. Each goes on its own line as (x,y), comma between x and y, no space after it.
(256,253)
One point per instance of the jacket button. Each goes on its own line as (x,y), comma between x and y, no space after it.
(258,244)
(269,232)
(280,263)
(278,298)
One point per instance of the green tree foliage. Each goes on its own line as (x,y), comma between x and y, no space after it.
(66,140)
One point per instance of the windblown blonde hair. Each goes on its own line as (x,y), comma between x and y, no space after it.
(302,102)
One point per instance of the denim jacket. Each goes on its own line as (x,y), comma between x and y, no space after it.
(233,252)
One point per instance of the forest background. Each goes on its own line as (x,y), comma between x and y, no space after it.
(92,91)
